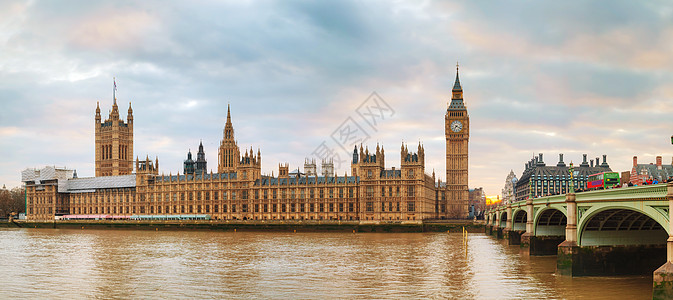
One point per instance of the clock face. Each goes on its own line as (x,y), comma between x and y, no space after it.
(456,126)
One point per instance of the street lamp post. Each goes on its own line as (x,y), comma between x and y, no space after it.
(571,171)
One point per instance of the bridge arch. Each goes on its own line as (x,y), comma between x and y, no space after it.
(519,219)
(550,221)
(622,225)
(503,219)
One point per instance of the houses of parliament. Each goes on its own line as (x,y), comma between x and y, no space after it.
(239,191)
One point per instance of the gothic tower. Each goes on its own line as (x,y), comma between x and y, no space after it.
(229,154)
(457,132)
(188,164)
(114,141)
(201,163)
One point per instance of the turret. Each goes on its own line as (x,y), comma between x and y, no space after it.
(97,112)
(283,170)
(327,167)
(129,117)
(201,163)
(146,166)
(412,163)
(189,164)
(310,167)
(421,153)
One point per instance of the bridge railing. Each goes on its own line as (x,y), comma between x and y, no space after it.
(649,192)
(653,192)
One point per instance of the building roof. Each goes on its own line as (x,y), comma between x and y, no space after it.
(536,168)
(48,173)
(205,176)
(653,171)
(456,85)
(91,184)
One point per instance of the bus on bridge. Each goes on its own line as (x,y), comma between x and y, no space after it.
(603,180)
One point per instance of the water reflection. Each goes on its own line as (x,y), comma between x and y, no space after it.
(43,263)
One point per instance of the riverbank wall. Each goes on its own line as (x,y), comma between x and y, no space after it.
(281,226)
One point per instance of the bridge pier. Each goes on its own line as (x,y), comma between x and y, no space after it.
(514,237)
(609,260)
(568,258)
(663,276)
(493,230)
(541,245)
(497,232)
(508,233)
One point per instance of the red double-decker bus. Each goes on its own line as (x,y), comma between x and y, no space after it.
(603,180)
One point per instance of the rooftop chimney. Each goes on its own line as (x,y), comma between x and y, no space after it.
(592,163)
(659,162)
(635,161)
(598,162)
(560,161)
(540,162)
(584,161)
(605,161)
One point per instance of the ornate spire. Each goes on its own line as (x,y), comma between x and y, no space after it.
(228,114)
(228,127)
(456,85)
(97,112)
(457,95)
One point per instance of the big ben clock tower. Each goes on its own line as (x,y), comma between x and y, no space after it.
(457,132)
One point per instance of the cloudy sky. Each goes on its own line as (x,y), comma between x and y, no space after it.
(583,77)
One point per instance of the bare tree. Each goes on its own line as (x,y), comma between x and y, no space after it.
(11,201)
(5,202)
(18,200)
(455,212)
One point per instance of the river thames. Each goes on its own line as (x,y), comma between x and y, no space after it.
(56,263)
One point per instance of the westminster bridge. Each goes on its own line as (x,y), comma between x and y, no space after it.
(608,232)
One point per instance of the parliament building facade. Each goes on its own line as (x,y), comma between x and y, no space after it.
(239,190)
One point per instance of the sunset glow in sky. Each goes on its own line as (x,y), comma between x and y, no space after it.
(538,77)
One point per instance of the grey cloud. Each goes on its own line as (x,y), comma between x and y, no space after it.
(293,71)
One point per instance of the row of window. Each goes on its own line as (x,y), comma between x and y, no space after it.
(391,206)
(244,208)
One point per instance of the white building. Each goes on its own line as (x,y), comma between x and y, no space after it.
(508,192)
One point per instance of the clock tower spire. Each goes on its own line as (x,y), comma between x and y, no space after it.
(457,133)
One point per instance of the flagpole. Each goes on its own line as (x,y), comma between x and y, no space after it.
(114,90)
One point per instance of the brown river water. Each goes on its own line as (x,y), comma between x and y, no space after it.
(75,264)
